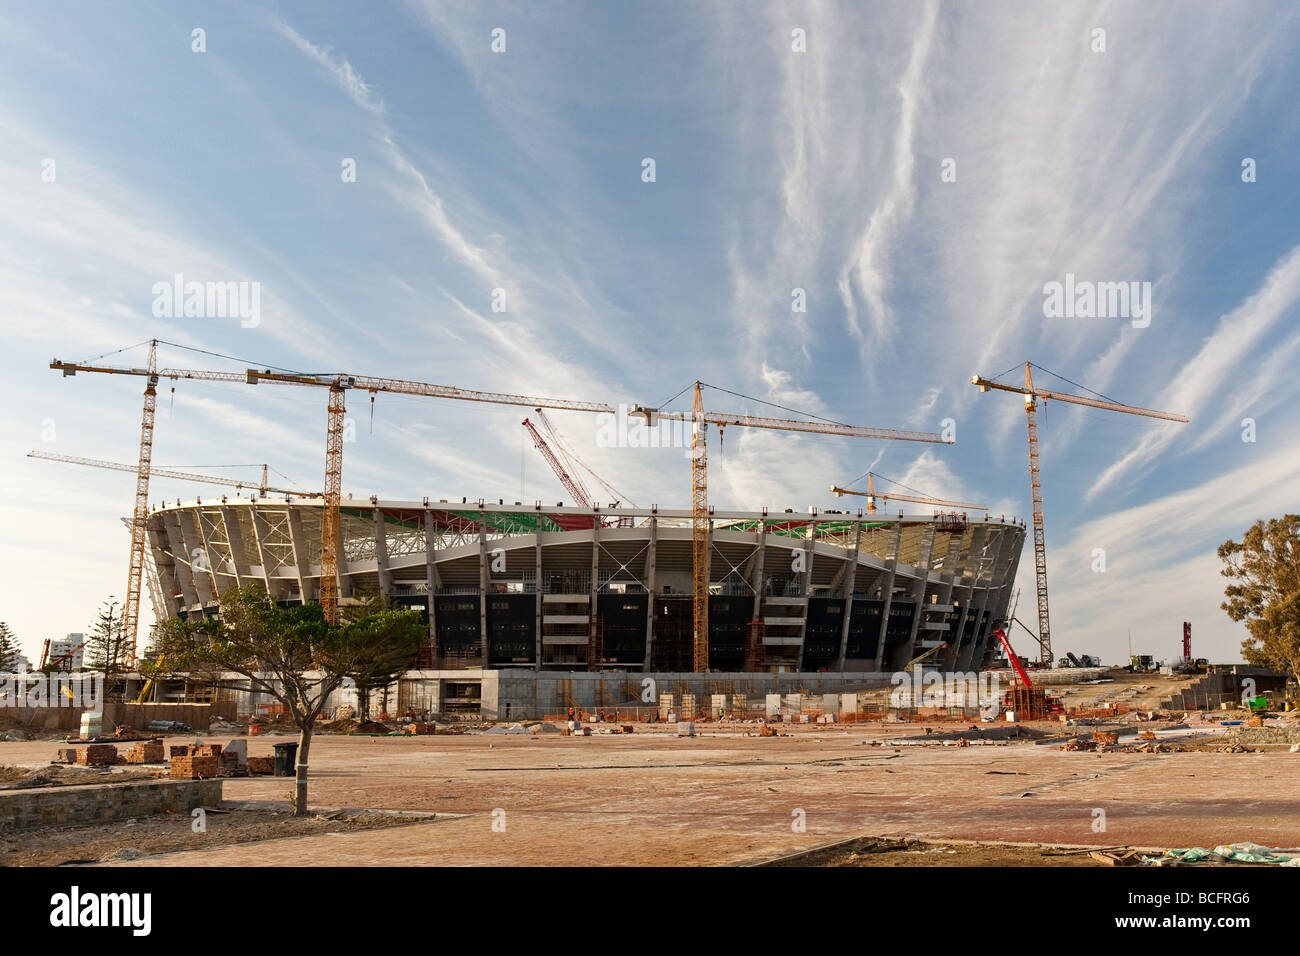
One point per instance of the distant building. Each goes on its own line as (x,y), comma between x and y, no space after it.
(21,664)
(72,645)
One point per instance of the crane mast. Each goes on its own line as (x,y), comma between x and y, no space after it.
(140,512)
(1031,395)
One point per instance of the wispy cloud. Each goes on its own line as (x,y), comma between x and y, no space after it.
(342,71)
(1221,357)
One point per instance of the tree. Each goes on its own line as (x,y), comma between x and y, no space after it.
(1265,594)
(291,654)
(8,649)
(106,648)
(387,629)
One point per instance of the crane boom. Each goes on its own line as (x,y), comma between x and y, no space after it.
(1031,395)
(261,486)
(1011,656)
(1044,393)
(799,425)
(570,484)
(871,496)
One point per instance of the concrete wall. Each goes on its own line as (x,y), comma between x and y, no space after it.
(55,806)
(67,720)
(517,695)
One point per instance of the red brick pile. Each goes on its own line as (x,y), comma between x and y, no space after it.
(261,765)
(146,751)
(97,755)
(193,767)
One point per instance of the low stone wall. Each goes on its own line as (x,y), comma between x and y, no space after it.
(103,803)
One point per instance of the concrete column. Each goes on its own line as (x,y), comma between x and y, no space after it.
(235,538)
(951,572)
(193,551)
(261,537)
(974,653)
(381,554)
(651,558)
(964,588)
(759,557)
(164,563)
(215,564)
(887,590)
(482,588)
(302,557)
(538,608)
(431,581)
(344,571)
(921,587)
(807,587)
(846,591)
(593,585)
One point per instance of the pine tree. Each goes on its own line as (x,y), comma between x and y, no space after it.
(105,645)
(8,649)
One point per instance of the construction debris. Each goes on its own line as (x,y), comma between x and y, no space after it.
(1227,853)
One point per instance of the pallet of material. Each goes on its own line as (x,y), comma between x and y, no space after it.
(195,767)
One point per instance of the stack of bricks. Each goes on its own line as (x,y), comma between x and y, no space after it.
(146,751)
(261,765)
(195,761)
(97,755)
(194,767)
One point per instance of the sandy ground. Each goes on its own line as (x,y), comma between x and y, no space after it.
(169,833)
(726,798)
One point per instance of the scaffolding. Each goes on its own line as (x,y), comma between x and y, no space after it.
(596,643)
(755,650)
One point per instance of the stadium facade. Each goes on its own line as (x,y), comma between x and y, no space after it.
(531,588)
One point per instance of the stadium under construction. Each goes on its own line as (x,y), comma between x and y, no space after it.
(531,606)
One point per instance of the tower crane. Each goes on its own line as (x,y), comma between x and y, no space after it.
(235,483)
(338,385)
(871,496)
(700,420)
(1031,394)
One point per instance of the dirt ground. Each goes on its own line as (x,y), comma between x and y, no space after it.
(144,837)
(727,796)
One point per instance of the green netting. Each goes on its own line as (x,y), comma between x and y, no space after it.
(511,522)
(820,528)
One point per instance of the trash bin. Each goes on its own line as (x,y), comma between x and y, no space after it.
(286,756)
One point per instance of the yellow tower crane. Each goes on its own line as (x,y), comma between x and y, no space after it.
(338,384)
(700,420)
(1032,393)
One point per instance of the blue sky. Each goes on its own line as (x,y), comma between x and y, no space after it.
(775,170)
